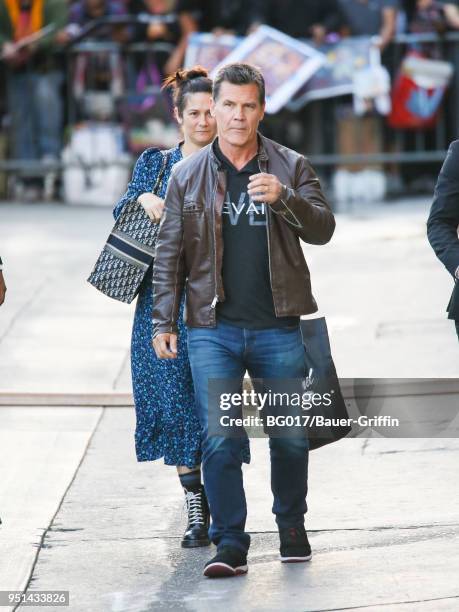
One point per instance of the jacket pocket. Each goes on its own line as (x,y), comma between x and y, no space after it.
(191,206)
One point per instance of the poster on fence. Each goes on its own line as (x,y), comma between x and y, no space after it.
(208,50)
(335,77)
(286,63)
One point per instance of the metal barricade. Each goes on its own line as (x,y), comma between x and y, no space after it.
(401,147)
(79,49)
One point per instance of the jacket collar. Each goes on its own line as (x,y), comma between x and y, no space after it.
(262,154)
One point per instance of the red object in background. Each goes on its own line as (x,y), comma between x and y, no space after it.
(414,107)
(418,92)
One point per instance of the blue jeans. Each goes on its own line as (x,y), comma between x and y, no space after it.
(35,104)
(227,352)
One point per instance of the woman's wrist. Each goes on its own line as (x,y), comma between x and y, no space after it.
(139,198)
(148,197)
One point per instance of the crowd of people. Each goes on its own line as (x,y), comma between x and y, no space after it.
(31,31)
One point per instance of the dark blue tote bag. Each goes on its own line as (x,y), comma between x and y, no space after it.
(321,378)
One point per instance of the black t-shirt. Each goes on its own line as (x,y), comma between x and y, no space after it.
(365,18)
(228,14)
(296,18)
(246,281)
(139,30)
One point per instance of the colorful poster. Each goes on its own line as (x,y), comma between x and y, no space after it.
(208,50)
(286,63)
(335,77)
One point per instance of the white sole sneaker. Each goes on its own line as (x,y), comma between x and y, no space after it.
(295,559)
(223,570)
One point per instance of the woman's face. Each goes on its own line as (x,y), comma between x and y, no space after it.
(198,125)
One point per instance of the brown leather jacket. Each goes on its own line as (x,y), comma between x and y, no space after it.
(190,243)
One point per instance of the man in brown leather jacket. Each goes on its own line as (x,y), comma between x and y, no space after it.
(234,216)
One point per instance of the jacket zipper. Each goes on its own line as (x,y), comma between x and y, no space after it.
(269,248)
(215,300)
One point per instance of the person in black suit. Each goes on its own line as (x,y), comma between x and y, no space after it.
(2,284)
(443,222)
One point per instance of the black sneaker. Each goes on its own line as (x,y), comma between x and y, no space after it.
(228,561)
(294,545)
(196,533)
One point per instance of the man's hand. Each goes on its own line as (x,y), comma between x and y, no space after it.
(318,33)
(264,187)
(152,205)
(8,50)
(14,56)
(165,346)
(157,30)
(63,37)
(2,288)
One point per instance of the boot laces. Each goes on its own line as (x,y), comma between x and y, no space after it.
(194,504)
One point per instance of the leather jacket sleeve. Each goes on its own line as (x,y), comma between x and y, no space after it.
(443,220)
(305,208)
(168,267)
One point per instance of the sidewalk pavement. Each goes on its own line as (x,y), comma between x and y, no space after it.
(382,519)
(80,514)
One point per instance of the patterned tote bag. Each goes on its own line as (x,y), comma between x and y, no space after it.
(128,251)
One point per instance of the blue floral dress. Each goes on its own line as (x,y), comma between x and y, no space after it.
(166,421)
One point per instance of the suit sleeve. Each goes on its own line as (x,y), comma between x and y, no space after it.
(443,221)
(169,265)
(305,207)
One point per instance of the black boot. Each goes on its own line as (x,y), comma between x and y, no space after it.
(196,533)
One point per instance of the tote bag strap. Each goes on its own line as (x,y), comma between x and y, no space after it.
(158,183)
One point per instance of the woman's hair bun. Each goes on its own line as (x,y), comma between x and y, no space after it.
(190,81)
(195,73)
(182,76)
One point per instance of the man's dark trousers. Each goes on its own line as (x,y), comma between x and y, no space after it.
(227,352)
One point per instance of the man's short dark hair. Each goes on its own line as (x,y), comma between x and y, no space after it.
(239,74)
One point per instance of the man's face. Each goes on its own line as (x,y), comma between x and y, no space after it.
(95,8)
(238,112)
